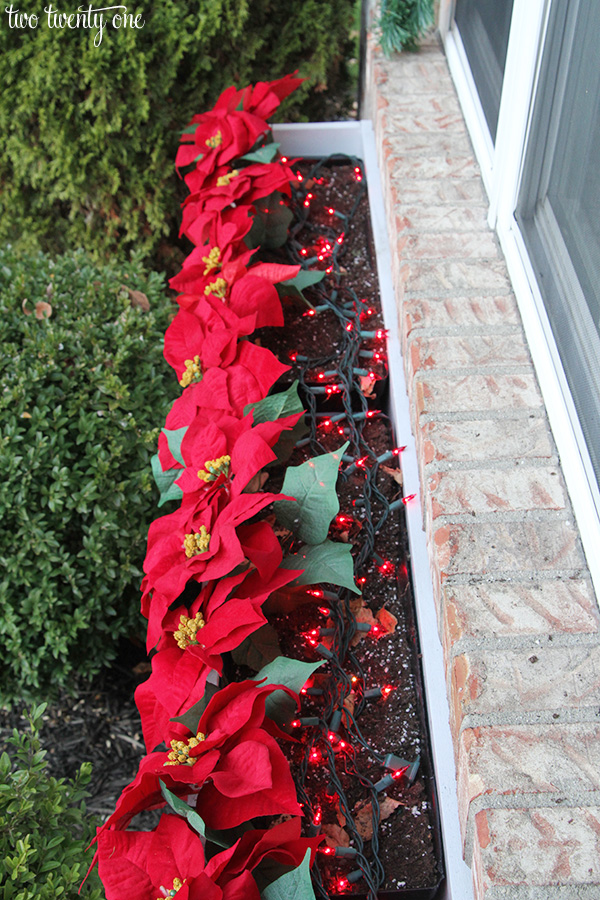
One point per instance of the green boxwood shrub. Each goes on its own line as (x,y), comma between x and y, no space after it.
(88,134)
(44,830)
(83,395)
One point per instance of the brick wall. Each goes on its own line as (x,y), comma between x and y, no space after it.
(517,615)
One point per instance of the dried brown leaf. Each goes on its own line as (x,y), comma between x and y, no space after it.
(335,836)
(363,819)
(396,474)
(43,310)
(137,298)
(367,385)
(387,620)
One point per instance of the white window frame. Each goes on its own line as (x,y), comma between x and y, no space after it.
(501,168)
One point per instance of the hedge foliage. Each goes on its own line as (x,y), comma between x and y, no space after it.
(44,830)
(88,134)
(82,393)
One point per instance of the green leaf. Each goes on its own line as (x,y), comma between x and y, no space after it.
(271,222)
(192,716)
(312,484)
(164,481)
(276,406)
(293,673)
(264,154)
(174,439)
(182,809)
(293,287)
(294,885)
(326,563)
(190,129)
(284,447)
(258,649)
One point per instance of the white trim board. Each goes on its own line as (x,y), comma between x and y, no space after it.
(357,139)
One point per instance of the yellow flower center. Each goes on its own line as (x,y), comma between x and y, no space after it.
(193,371)
(215,141)
(180,751)
(213,260)
(218,288)
(215,467)
(177,885)
(188,629)
(224,180)
(196,543)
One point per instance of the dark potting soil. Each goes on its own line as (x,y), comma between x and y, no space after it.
(99,720)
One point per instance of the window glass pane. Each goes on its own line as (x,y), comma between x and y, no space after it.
(484,26)
(559,202)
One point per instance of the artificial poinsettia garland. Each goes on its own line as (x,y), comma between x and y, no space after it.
(214,561)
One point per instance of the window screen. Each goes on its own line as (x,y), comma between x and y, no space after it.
(484,26)
(559,202)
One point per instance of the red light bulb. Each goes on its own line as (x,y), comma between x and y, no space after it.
(386,690)
(408,498)
(328,851)
(318,816)
(342,884)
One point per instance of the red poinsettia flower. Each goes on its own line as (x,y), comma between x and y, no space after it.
(228,449)
(232,287)
(221,227)
(193,345)
(222,392)
(192,641)
(203,339)
(264,97)
(227,185)
(146,865)
(232,763)
(204,540)
(220,135)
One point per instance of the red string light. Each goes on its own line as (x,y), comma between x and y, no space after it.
(293,355)
(303,252)
(342,884)
(314,756)
(349,326)
(331,210)
(299,176)
(408,498)
(386,690)
(327,851)
(318,816)
(309,312)
(387,567)
(324,611)
(284,159)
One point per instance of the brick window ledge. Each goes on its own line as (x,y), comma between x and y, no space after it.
(518,618)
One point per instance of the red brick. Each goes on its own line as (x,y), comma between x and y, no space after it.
(498,609)
(476,393)
(456,245)
(511,761)
(539,677)
(547,847)
(466,351)
(487,490)
(485,439)
(490,548)
(455,276)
